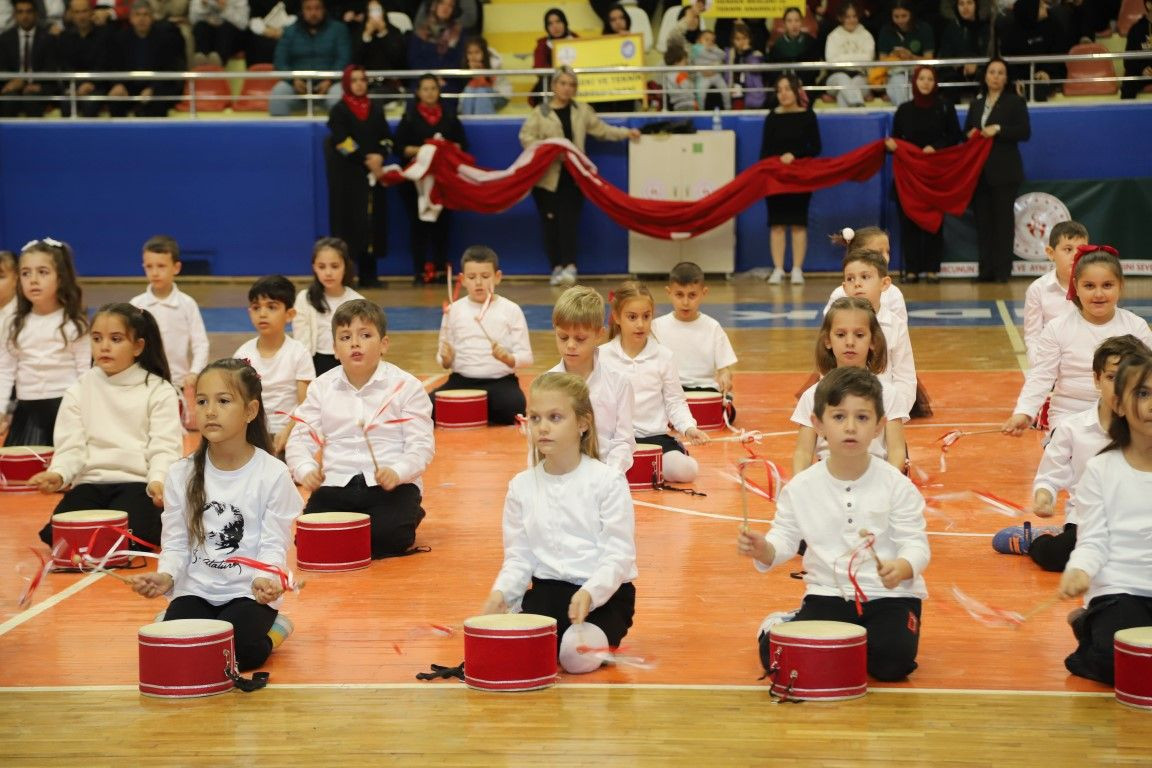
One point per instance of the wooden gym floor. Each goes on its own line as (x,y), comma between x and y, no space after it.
(343,685)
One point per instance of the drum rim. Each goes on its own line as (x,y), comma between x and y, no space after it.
(648,449)
(509,621)
(108,515)
(704,397)
(451,394)
(335,517)
(789,630)
(203,628)
(26,451)
(1136,637)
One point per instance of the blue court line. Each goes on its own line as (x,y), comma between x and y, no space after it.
(959,314)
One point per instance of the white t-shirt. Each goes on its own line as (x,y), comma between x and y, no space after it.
(894,408)
(278,376)
(700,347)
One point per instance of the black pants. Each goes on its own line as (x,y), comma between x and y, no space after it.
(429,238)
(1052,552)
(33,422)
(324,363)
(560,216)
(995,225)
(1106,615)
(395,514)
(249,619)
(666,442)
(223,39)
(143,515)
(922,249)
(505,398)
(893,625)
(549,597)
(729,408)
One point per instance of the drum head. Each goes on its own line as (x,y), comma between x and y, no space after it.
(510,621)
(647,448)
(17,451)
(328,518)
(91,516)
(818,630)
(182,628)
(706,396)
(1141,637)
(461,394)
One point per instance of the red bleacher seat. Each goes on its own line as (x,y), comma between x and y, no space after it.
(1131,11)
(253,96)
(1086,70)
(212,94)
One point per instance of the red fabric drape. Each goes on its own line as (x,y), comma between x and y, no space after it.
(931,184)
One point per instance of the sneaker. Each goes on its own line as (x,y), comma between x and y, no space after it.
(797,277)
(281,629)
(1013,540)
(775,618)
(568,275)
(557,276)
(776,277)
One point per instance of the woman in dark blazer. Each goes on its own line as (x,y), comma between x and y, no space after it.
(1002,115)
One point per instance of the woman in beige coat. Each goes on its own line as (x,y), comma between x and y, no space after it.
(557,197)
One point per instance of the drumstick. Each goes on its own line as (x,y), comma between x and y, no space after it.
(743,464)
(484,330)
(101,569)
(1042,606)
(367,442)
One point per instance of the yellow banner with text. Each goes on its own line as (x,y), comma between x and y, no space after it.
(611,51)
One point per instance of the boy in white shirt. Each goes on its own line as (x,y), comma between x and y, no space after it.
(578,318)
(374,423)
(484,353)
(853,503)
(1047,295)
(284,365)
(704,355)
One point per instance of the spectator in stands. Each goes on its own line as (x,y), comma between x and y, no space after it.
(359,142)
(792,46)
(146,44)
(1139,39)
(267,20)
(470,16)
(903,38)
(757,32)
(487,94)
(849,42)
(618,22)
(425,118)
(27,47)
(748,90)
(435,43)
(711,85)
(1002,115)
(556,27)
(314,42)
(679,86)
(113,13)
(50,14)
(558,199)
(380,47)
(1030,31)
(85,47)
(688,25)
(175,12)
(603,8)
(965,35)
(218,27)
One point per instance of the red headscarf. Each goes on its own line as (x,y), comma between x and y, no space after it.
(924,101)
(1080,251)
(360,105)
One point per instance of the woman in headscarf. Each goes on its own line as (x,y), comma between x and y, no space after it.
(556,27)
(359,141)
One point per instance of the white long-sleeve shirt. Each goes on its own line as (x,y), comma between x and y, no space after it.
(578,527)
(41,364)
(336,410)
(248,513)
(659,398)
(1073,442)
(700,347)
(1044,301)
(891,299)
(314,329)
(894,408)
(180,323)
(612,404)
(831,514)
(842,45)
(279,376)
(901,370)
(1114,538)
(1062,364)
(117,429)
(504,321)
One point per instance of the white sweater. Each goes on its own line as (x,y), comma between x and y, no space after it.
(117,429)
(843,45)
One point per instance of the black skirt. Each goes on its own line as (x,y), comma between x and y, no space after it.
(788,210)
(33,422)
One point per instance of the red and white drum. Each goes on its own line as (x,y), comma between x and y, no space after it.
(510,652)
(186,657)
(461,408)
(707,408)
(1132,650)
(333,541)
(88,527)
(647,470)
(819,660)
(19,462)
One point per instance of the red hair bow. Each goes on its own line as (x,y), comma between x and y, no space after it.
(1080,251)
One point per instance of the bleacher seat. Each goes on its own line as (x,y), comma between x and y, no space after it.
(253,96)
(1084,71)
(668,23)
(641,24)
(1131,11)
(399,21)
(212,94)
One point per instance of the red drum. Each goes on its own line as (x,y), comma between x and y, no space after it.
(76,529)
(19,462)
(819,660)
(647,468)
(333,541)
(183,658)
(707,408)
(510,652)
(1133,655)
(461,408)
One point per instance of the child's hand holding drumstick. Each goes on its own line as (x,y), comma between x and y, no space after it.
(755,546)
(495,603)
(151,584)
(266,590)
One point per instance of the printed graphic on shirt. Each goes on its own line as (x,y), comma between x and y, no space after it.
(224,530)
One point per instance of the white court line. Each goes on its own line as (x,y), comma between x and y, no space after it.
(1013,335)
(40,607)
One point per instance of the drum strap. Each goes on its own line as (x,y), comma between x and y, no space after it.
(413,551)
(662,486)
(256,682)
(441,672)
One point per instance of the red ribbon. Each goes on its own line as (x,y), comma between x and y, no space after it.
(285,577)
(853,569)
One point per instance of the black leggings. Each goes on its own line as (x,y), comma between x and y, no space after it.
(249,619)
(133,498)
(560,216)
(549,597)
(1106,615)
(1052,552)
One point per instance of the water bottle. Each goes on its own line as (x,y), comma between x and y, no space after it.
(717,124)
